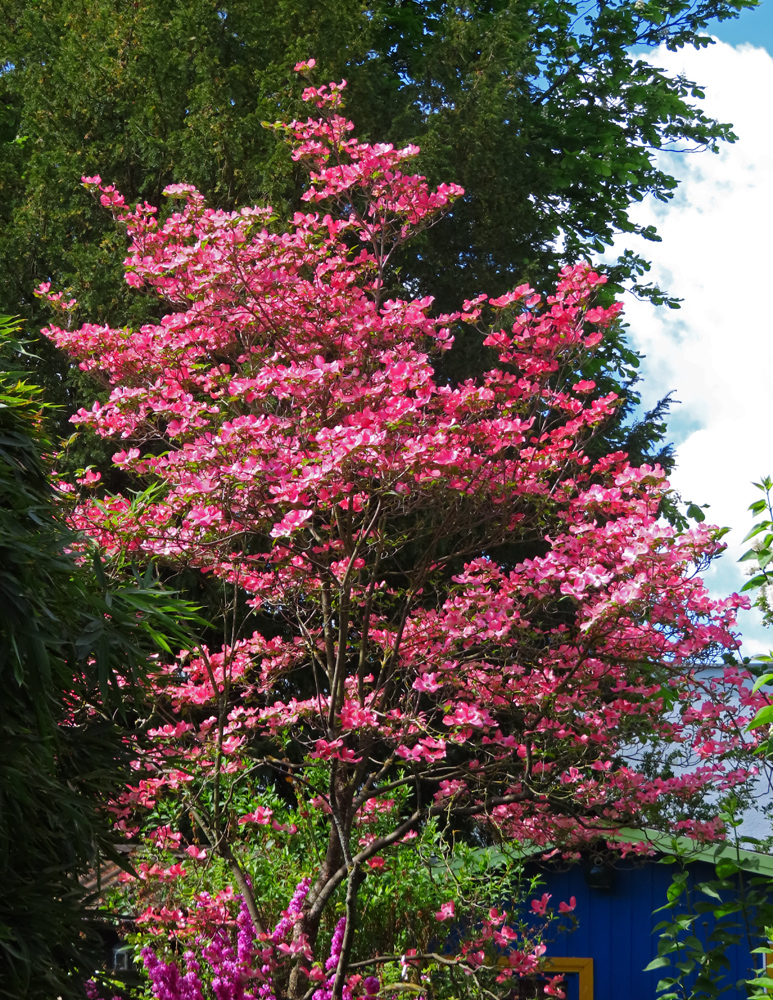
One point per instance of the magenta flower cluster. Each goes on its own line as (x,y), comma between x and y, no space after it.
(326,992)
(294,908)
(232,965)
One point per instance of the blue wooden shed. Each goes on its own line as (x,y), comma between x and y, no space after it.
(605,956)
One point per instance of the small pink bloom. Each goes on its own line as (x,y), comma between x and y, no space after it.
(284,827)
(262,816)
(122,457)
(89,478)
(292,520)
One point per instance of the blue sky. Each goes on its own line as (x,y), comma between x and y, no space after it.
(752,26)
(716,352)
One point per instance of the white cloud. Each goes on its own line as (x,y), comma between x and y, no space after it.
(717,254)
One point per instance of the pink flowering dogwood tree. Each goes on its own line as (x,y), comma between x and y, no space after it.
(457,605)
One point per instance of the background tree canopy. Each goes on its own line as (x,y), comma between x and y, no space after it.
(542,111)
(547,113)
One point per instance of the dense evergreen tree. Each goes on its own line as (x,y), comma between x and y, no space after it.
(545,112)
(542,111)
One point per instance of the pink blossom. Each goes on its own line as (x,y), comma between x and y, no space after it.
(291,521)
(261,815)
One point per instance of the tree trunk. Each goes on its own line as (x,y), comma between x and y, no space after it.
(309,925)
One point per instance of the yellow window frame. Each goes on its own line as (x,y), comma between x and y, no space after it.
(582,966)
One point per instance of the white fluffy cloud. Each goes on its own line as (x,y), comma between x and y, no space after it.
(717,351)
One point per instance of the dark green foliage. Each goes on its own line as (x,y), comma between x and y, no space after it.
(541,111)
(704,919)
(694,963)
(67,637)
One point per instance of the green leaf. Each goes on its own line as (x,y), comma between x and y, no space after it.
(764,717)
(761,681)
(657,963)
(726,867)
(764,556)
(757,529)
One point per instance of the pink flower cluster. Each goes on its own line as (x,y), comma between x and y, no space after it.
(473,602)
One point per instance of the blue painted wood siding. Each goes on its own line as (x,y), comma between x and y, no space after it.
(615,929)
